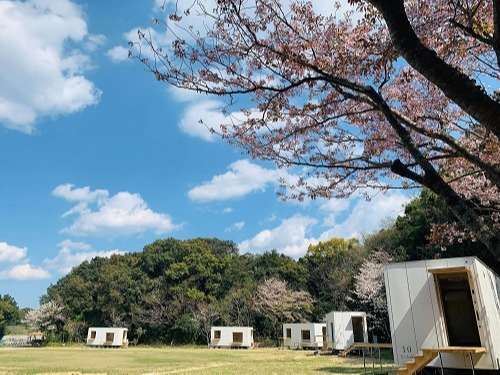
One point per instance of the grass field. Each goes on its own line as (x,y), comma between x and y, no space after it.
(183,360)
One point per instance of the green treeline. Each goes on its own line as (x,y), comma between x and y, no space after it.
(173,290)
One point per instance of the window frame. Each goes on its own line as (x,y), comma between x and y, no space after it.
(304,338)
(110,334)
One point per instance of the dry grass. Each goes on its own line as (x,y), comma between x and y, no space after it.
(162,361)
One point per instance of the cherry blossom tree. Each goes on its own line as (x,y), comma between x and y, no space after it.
(399,95)
(277,302)
(369,288)
(49,317)
(206,315)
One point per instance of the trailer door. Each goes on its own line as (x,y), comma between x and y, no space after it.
(458,309)
(358,329)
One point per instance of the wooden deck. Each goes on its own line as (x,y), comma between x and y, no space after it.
(458,349)
(429,354)
(364,345)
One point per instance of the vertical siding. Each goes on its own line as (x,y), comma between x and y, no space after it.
(488,308)
(424,322)
(391,319)
(405,345)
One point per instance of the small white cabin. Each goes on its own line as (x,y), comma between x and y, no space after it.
(444,312)
(304,335)
(108,337)
(231,337)
(345,328)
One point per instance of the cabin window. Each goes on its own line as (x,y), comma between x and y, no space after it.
(216,335)
(306,335)
(110,337)
(288,333)
(92,335)
(238,337)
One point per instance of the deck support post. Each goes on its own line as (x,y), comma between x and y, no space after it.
(441,363)
(373,360)
(364,361)
(380,359)
(471,364)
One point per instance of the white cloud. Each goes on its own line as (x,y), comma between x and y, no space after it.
(364,216)
(94,41)
(99,213)
(74,245)
(242,178)
(207,111)
(347,218)
(290,237)
(42,75)
(204,118)
(236,227)
(185,95)
(335,205)
(84,194)
(227,210)
(22,269)
(24,272)
(71,254)
(118,54)
(11,254)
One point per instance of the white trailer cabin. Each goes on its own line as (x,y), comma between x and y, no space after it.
(304,335)
(231,337)
(107,337)
(344,328)
(444,313)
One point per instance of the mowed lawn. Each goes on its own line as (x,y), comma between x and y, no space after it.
(182,360)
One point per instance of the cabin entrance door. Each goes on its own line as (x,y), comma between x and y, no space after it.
(358,329)
(458,310)
(237,337)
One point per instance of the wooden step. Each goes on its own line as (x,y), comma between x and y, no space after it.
(417,363)
(428,354)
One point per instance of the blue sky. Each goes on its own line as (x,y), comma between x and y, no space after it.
(96,157)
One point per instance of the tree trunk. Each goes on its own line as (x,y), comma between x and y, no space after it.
(457,86)
(496,29)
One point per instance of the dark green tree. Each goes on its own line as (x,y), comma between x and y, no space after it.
(9,312)
(331,266)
